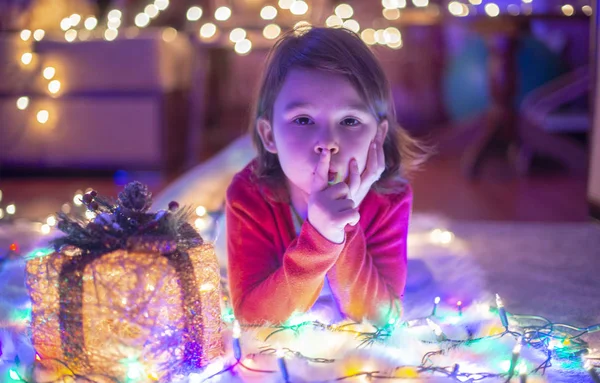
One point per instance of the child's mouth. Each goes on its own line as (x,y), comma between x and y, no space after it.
(332,177)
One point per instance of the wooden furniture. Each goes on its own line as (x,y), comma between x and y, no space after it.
(543,125)
(501,35)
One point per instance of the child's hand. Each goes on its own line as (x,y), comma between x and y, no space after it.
(329,208)
(360,185)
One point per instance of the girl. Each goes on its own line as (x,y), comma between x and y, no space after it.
(318,221)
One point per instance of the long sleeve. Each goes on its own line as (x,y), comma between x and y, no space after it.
(264,285)
(370,275)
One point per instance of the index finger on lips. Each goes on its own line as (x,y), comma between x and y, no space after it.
(321,173)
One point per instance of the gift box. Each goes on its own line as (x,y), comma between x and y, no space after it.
(129,295)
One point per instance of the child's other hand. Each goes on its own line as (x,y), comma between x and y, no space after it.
(360,184)
(329,207)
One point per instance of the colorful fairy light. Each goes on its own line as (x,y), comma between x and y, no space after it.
(515,357)
(501,311)
(436,302)
(282,365)
(11,209)
(194,13)
(23,103)
(459,307)
(236,333)
(437,330)
(522,373)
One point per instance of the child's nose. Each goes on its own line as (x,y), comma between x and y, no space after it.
(327,141)
(334,148)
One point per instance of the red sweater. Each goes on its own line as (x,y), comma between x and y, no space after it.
(274,273)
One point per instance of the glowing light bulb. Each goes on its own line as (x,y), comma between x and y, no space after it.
(110,34)
(390,4)
(90,23)
(368,36)
(39,34)
(43,116)
(113,23)
(51,220)
(518,346)
(587,10)
(11,209)
(169,34)
(397,45)
(268,13)
(23,103)
(352,25)
(134,371)
(567,10)
(45,229)
(434,327)
(334,21)
(458,9)
(271,31)
(25,34)
(420,3)
(77,199)
(71,35)
(54,86)
(200,224)
(114,14)
(237,330)
(65,24)
(299,7)
(285,4)
(142,20)
(222,13)
(161,4)
(151,10)
(243,47)
(492,10)
(391,14)
(344,11)
(237,35)
(194,13)
(26,58)
(75,19)
(208,30)
(49,72)
(14,375)
(392,35)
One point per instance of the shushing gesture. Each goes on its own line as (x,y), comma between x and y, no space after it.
(332,207)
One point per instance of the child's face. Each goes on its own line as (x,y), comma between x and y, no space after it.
(315,111)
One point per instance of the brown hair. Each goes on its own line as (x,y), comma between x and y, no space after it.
(340,51)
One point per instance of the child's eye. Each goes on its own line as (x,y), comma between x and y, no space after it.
(350,122)
(303,121)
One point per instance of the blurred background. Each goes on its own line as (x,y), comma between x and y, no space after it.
(94,94)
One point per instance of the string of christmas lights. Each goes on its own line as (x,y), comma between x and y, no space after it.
(552,340)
